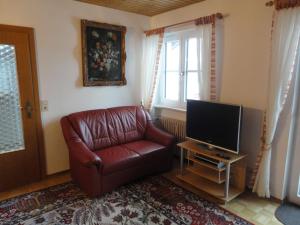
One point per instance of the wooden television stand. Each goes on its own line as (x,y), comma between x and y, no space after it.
(224,182)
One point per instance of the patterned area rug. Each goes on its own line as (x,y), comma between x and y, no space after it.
(154,200)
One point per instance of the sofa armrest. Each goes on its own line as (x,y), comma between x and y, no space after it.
(83,155)
(77,148)
(157,135)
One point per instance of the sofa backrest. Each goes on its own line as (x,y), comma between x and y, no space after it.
(108,127)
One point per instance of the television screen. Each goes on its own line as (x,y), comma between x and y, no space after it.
(215,124)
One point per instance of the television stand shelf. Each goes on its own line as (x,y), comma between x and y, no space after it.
(220,174)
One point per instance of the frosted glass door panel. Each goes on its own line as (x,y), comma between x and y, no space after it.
(11,129)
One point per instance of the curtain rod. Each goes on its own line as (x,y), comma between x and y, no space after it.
(283,4)
(218,16)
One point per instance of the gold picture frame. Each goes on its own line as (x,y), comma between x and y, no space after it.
(103,54)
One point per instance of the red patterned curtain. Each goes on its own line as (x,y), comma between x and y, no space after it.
(208,19)
(284,4)
(158,31)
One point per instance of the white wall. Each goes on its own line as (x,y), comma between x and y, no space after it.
(246,49)
(58,46)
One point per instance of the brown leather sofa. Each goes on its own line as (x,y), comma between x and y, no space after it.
(110,147)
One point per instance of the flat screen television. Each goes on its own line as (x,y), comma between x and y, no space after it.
(215,124)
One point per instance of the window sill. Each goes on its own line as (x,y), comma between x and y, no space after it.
(170,108)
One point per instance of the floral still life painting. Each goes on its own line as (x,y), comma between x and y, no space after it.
(103,54)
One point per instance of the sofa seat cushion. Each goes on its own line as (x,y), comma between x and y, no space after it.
(144,147)
(117,158)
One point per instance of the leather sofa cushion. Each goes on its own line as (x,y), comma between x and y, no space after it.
(104,128)
(129,123)
(95,128)
(144,147)
(117,158)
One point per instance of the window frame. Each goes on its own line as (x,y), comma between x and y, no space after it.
(183,37)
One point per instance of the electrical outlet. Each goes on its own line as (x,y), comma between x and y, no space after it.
(44,106)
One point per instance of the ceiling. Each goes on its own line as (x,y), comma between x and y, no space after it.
(144,7)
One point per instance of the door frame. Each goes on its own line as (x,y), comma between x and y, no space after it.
(38,120)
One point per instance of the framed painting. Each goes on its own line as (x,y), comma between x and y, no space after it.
(103,54)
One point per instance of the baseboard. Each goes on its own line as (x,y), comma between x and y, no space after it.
(56,174)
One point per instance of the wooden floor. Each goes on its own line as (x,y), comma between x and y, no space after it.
(256,210)
(48,182)
(248,206)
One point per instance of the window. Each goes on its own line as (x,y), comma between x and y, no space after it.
(181,69)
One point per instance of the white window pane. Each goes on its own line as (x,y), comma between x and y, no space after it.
(172,86)
(200,60)
(192,54)
(192,88)
(172,55)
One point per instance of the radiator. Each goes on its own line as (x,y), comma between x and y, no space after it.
(173,126)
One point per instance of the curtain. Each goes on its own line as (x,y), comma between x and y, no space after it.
(208,79)
(205,35)
(150,63)
(283,4)
(285,41)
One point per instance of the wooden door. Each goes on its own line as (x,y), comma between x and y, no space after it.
(20,127)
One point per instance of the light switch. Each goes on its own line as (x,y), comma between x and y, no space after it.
(44,106)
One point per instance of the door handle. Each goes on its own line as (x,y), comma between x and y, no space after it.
(28,109)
